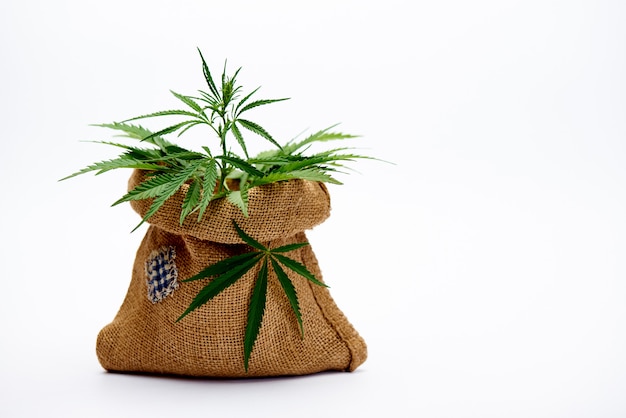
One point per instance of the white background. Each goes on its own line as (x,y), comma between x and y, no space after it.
(485,269)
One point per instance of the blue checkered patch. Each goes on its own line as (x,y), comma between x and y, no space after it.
(161,273)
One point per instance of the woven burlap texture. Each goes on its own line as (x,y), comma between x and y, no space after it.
(144,336)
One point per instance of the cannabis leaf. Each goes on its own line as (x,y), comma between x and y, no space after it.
(226,272)
(169,167)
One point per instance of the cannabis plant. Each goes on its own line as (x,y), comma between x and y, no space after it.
(217,171)
(207,172)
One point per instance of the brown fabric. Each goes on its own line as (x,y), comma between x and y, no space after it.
(275,210)
(144,336)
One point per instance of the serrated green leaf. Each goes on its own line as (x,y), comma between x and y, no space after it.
(319,136)
(182,157)
(149,188)
(207,150)
(175,112)
(219,284)
(257,129)
(240,199)
(208,186)
(120,162)
(173,149)
(136,132)
(290,292)
(248,239)
(239,137)
(258,103)
(289,247)
(132,131)
(191,125)
(169,129)
(241,164)
(312,162)
(207,98)
(256,310)
(314,175)
(149,158)
(208,77)
(298,268)
(224,266)
(244,100)
(271,178)
(269,158)
(191,199)
(177,180)
(189,102)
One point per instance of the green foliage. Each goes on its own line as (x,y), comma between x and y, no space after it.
(223,109)
(226,273)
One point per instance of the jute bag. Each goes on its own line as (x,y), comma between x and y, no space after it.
(144,335)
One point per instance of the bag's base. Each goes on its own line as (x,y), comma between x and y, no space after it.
(144,337)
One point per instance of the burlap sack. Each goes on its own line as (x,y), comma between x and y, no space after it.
(144,336)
